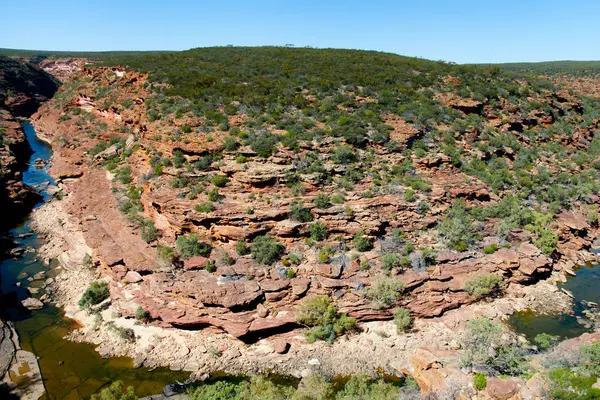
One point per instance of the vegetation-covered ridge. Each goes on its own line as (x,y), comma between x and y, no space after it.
(272,189)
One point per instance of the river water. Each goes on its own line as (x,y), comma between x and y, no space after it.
(585,287)
(69,370)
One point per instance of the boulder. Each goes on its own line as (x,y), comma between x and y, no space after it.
(32,303)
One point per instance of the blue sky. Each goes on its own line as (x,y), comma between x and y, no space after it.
(459,31)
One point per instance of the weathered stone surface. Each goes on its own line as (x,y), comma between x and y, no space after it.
(132,277)
(196,262)
(501,389)
(573,220)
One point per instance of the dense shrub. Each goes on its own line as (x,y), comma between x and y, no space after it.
(149,231)
(362,242)
(483,285)
(402,319)
(456,228)
(189,246)
(96,293)
(345,155)
(390,261)
(384,291)
(263,143)
(363,388)
(322,317)
(219,180)
(266,250)
(240,248)
(487,348)
(299,213)
(479,381)
(321,201)
(205,207)
(123,174)
(141,315)
(318,231)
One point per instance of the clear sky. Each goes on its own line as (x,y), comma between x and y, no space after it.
(459,31)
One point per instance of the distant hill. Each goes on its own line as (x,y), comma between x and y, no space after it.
(38,55)
(576,68)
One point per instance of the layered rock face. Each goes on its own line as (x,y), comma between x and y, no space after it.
(101,118)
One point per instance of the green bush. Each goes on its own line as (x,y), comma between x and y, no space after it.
(483,285)
(325,322)
(384,291)
(213,195)
(590,357)
(491,249)
(178,158)
(314,387)
(402,319)
(345,155)
(263,144)
(123,174)
(189,246)
(149,231)
(318,231)
(219,180)
(299,213)
(205,207)
(362,242)
(364,388)
(230,144)
(141,315)
(390,261)
(266,250)
(321,201)
(456,228)
(115,391)
(486,348)
(220,390)
(96,293)
(479,381)
(240,248)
